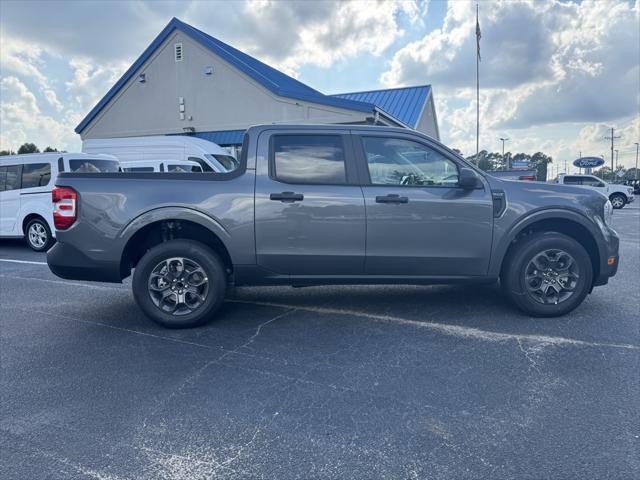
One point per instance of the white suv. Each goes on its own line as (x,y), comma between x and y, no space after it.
(25,191)
(619,195)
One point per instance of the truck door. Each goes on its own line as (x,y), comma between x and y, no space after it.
(309,208)
(419,221)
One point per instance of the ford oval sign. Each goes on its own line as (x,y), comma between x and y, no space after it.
(588,162)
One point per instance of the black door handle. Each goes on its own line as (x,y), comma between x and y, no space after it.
(391,198)
(287,197)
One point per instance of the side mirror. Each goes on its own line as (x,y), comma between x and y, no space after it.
(469,179)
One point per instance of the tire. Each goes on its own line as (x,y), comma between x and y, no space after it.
(618,200)
(160,267)
(38,235)
(521,275)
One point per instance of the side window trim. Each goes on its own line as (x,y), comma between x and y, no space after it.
(363,165)
(351,175)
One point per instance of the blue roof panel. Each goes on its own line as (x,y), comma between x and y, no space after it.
(404,104)
(222,138)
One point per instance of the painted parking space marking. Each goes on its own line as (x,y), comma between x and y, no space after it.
(447,329)
(28,262)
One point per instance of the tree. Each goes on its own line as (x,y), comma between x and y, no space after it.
(50,149)
(632,174)
(7,152)
(28,148)
(604,173)
(539,161)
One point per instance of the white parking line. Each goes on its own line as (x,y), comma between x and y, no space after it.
(8,260)
(447,329)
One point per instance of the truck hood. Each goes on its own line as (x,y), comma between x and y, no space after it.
(536,195)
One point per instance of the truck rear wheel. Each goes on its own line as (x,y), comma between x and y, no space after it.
(180,283)
(548,274)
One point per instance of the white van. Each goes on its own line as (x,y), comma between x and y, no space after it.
(26,181)
(150,166)
(210,156)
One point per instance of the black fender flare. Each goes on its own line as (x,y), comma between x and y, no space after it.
(506,238)
(175,213)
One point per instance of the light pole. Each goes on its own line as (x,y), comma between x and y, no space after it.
(504,139)
(637,147)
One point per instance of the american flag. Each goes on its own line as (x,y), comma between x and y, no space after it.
(478,36)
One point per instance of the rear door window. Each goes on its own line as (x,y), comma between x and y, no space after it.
(3,177)
(90,165)
(569,180)
(310,159)
(139,169)
(14,177)
(36,175)
(592,182)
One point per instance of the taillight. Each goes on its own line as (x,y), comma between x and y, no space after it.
(65,207)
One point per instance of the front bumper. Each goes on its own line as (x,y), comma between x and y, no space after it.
(68,262)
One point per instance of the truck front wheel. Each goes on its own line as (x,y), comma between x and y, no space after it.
(547,274)
(179,283)
(618,200)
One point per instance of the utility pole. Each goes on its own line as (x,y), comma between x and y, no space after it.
(612,138)
(478,37)
(504,140)
(580,156)
(637,151)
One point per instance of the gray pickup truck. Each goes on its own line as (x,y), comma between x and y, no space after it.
(316,205)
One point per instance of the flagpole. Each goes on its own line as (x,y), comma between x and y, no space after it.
(477,85)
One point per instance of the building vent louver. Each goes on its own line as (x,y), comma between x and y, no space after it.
(177,48)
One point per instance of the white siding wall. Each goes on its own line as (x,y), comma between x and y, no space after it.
(428,122)
(226,100)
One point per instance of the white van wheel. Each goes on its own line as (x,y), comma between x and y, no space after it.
(38,235)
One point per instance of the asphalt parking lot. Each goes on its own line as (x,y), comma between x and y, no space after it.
(347,382)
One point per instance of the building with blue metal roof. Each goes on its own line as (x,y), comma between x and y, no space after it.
(188,82)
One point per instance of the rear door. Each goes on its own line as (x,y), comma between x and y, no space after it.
(419,221)
(309,208)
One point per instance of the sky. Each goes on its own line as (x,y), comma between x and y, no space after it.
(555,75)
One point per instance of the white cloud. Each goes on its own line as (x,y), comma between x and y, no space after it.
(288,35)
(21,120)
(549,69)
(25,59)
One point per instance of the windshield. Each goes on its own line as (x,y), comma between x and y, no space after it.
(226,163)
(91,165)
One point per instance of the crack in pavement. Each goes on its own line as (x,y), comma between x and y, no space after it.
(447,329)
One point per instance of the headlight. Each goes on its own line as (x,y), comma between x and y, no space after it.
(608,213)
